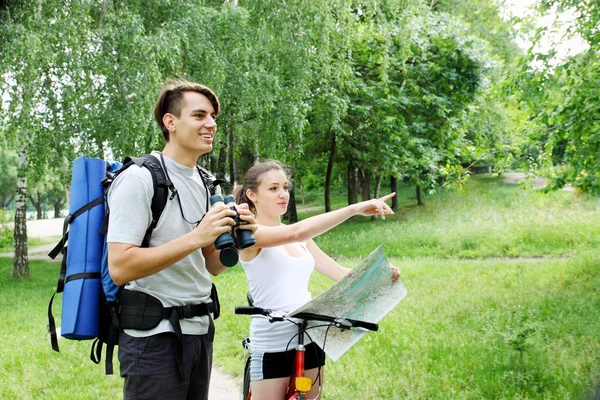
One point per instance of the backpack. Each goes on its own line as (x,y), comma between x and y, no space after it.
(90,297)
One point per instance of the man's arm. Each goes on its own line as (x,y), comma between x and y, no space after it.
(128,262)
(213,263)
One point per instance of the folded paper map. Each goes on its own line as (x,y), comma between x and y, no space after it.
(366,294)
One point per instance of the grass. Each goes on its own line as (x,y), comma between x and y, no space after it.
(32,242)
(31,369)
(503,303)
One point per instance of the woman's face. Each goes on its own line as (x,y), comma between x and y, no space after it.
(272,195)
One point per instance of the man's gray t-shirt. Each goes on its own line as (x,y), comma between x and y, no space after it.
(185,282)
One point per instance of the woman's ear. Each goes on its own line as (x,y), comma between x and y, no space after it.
(250,195)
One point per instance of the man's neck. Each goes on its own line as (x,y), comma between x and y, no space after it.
(180,155)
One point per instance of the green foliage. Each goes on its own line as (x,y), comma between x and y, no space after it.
(8,177)
(562,101)
(516,322)
(487,326)
(6,236)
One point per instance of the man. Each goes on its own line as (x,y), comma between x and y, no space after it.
(159,363)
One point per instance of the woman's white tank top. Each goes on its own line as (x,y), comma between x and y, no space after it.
(277,281)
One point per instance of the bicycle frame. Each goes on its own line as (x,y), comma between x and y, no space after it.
(301,384)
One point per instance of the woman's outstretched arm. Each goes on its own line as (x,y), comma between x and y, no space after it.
(271,236)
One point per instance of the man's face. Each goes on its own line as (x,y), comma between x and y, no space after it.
(195,128)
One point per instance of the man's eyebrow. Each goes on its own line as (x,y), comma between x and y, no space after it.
(201,110)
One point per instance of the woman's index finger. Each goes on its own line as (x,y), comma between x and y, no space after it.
(387,197)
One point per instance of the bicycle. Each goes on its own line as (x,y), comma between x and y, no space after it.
(300,385)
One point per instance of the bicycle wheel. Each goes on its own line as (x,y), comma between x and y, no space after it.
(246,394)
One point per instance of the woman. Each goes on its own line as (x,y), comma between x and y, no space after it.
(278,269)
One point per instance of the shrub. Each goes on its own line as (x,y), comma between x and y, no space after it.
(6,237)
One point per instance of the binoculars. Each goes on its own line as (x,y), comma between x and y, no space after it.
(225,242)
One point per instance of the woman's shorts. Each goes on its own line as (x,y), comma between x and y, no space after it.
(281,364)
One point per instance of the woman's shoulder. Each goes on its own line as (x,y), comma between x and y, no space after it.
(249,254)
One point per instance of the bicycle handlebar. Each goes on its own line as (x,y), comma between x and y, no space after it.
(343,322)
(252,311)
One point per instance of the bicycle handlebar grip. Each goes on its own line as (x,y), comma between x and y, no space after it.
(250,311)
(367,325)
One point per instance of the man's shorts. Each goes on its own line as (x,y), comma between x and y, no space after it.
(282,364)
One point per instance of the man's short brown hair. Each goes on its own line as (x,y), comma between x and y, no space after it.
(170,100)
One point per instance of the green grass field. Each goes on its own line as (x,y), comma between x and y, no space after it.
(503,303)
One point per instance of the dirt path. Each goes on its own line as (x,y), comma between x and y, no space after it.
(538,182)
(222,386)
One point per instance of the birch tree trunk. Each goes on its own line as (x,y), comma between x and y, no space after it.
(21,261)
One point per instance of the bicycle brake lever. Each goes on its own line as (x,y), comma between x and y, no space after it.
(342,323)
(276,317)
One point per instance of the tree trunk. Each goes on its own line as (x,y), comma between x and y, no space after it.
(212,162)
(5,201)
(36,201)
(233,167)
(352,185)
(376,194)
(292,213)
(57,207)
(365,184)
(255,152)
(394,189)
(419,196)
(329,172)
(221,167)
(21,261)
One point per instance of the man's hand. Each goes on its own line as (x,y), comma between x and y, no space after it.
(215,222)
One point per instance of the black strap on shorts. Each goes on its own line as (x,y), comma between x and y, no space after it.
(142,311)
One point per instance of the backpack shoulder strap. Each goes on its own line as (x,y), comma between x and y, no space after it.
(161,184)
(209,180)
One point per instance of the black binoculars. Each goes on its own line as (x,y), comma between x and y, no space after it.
(225,242)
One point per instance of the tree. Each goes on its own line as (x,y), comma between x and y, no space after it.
(415,78)
(8,178)
(55,76)
(563,102)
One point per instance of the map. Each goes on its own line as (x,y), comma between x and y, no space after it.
(366,294)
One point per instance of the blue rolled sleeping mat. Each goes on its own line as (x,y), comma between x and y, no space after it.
(81,296)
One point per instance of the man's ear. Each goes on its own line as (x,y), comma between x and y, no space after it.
(169,121)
